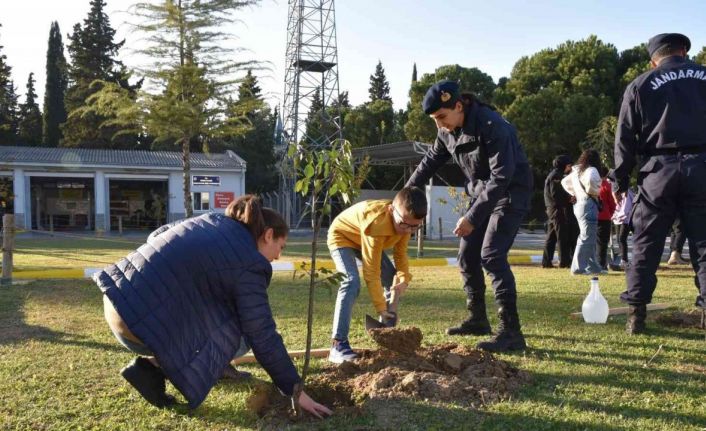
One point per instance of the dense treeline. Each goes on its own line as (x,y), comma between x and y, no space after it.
(561,99)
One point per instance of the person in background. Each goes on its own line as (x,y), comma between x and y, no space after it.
(604,217)
(584,183)
(559,206)
(676,244)
(621,220)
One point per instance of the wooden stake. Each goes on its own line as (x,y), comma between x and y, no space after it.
(8,244)
(624,310)
(250,358)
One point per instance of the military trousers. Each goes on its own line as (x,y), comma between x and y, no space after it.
(669,186)
(486,248)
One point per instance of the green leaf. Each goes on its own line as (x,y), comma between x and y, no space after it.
(309,171)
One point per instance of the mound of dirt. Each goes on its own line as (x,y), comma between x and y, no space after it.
(405,340)
(681,319)
(402,370)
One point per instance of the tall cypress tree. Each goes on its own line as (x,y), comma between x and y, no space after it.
(8,103)
(30,118)
(379,87)
(54,114)
(93,57)
(8,114)
(414,72)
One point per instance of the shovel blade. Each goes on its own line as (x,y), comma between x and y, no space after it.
(372,323)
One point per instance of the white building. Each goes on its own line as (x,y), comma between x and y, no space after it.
(86,189)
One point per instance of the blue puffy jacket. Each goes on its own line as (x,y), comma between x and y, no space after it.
(190,293)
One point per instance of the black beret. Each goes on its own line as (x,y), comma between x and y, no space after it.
(443,94)
(664,39)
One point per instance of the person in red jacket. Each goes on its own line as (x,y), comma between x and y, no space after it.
(604,217)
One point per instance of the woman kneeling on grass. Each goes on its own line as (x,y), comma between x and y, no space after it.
(194,297)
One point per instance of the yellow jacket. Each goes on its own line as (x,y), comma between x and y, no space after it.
(368,226)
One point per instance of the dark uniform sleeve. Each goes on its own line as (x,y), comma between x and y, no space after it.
(435,158)
(561,198)
(626,138)
(501,159)
(258,328)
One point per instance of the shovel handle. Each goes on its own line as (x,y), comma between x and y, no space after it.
(394,300)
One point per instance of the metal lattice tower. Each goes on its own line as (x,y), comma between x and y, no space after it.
(311,72)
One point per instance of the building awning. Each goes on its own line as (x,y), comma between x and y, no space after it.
(403,153)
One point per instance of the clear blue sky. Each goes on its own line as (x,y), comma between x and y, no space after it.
(487,35)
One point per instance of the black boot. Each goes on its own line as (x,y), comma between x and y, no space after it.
(636,319)
(149,382)
(509,336)
(476,324)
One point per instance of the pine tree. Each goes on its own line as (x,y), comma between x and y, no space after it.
(8,103)
(30,118)
(379,87)
(8,114)
(342,101)
(414,72)
(248,89)
(54,114)
(191,69)
(257,145)
(93,57)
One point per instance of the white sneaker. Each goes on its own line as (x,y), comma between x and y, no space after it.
(341,352)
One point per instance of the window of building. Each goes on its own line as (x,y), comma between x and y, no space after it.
(202,201)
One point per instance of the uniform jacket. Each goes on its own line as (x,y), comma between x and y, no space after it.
(662,109)
(487,151)
(556,200)
(190,294)
(368,226)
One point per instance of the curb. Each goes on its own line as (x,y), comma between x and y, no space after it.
(439,262)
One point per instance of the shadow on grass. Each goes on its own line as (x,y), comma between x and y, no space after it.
(17,330)
(621,410)
(412,415)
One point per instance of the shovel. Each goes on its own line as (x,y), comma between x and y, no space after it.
(372,323)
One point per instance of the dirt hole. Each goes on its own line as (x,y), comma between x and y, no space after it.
(403,370)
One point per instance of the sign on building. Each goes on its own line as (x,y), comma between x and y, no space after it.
(222,199)
(205,180)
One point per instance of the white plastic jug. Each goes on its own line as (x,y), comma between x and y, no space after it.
(595,306)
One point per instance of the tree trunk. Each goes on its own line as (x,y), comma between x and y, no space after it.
(312,284)
(186,158)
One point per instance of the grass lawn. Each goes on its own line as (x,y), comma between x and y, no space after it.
(59,362)
(34,253)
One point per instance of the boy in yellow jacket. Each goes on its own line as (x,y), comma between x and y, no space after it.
(364,231)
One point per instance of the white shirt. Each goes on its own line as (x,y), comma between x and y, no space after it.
(589,179)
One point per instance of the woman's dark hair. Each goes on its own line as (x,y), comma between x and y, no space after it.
(248,210)
(589,158)
(561,161)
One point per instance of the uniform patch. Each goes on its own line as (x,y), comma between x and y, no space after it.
(663,78)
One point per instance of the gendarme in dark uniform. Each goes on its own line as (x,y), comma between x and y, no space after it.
(662,126)
(562,226)
(499,181)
